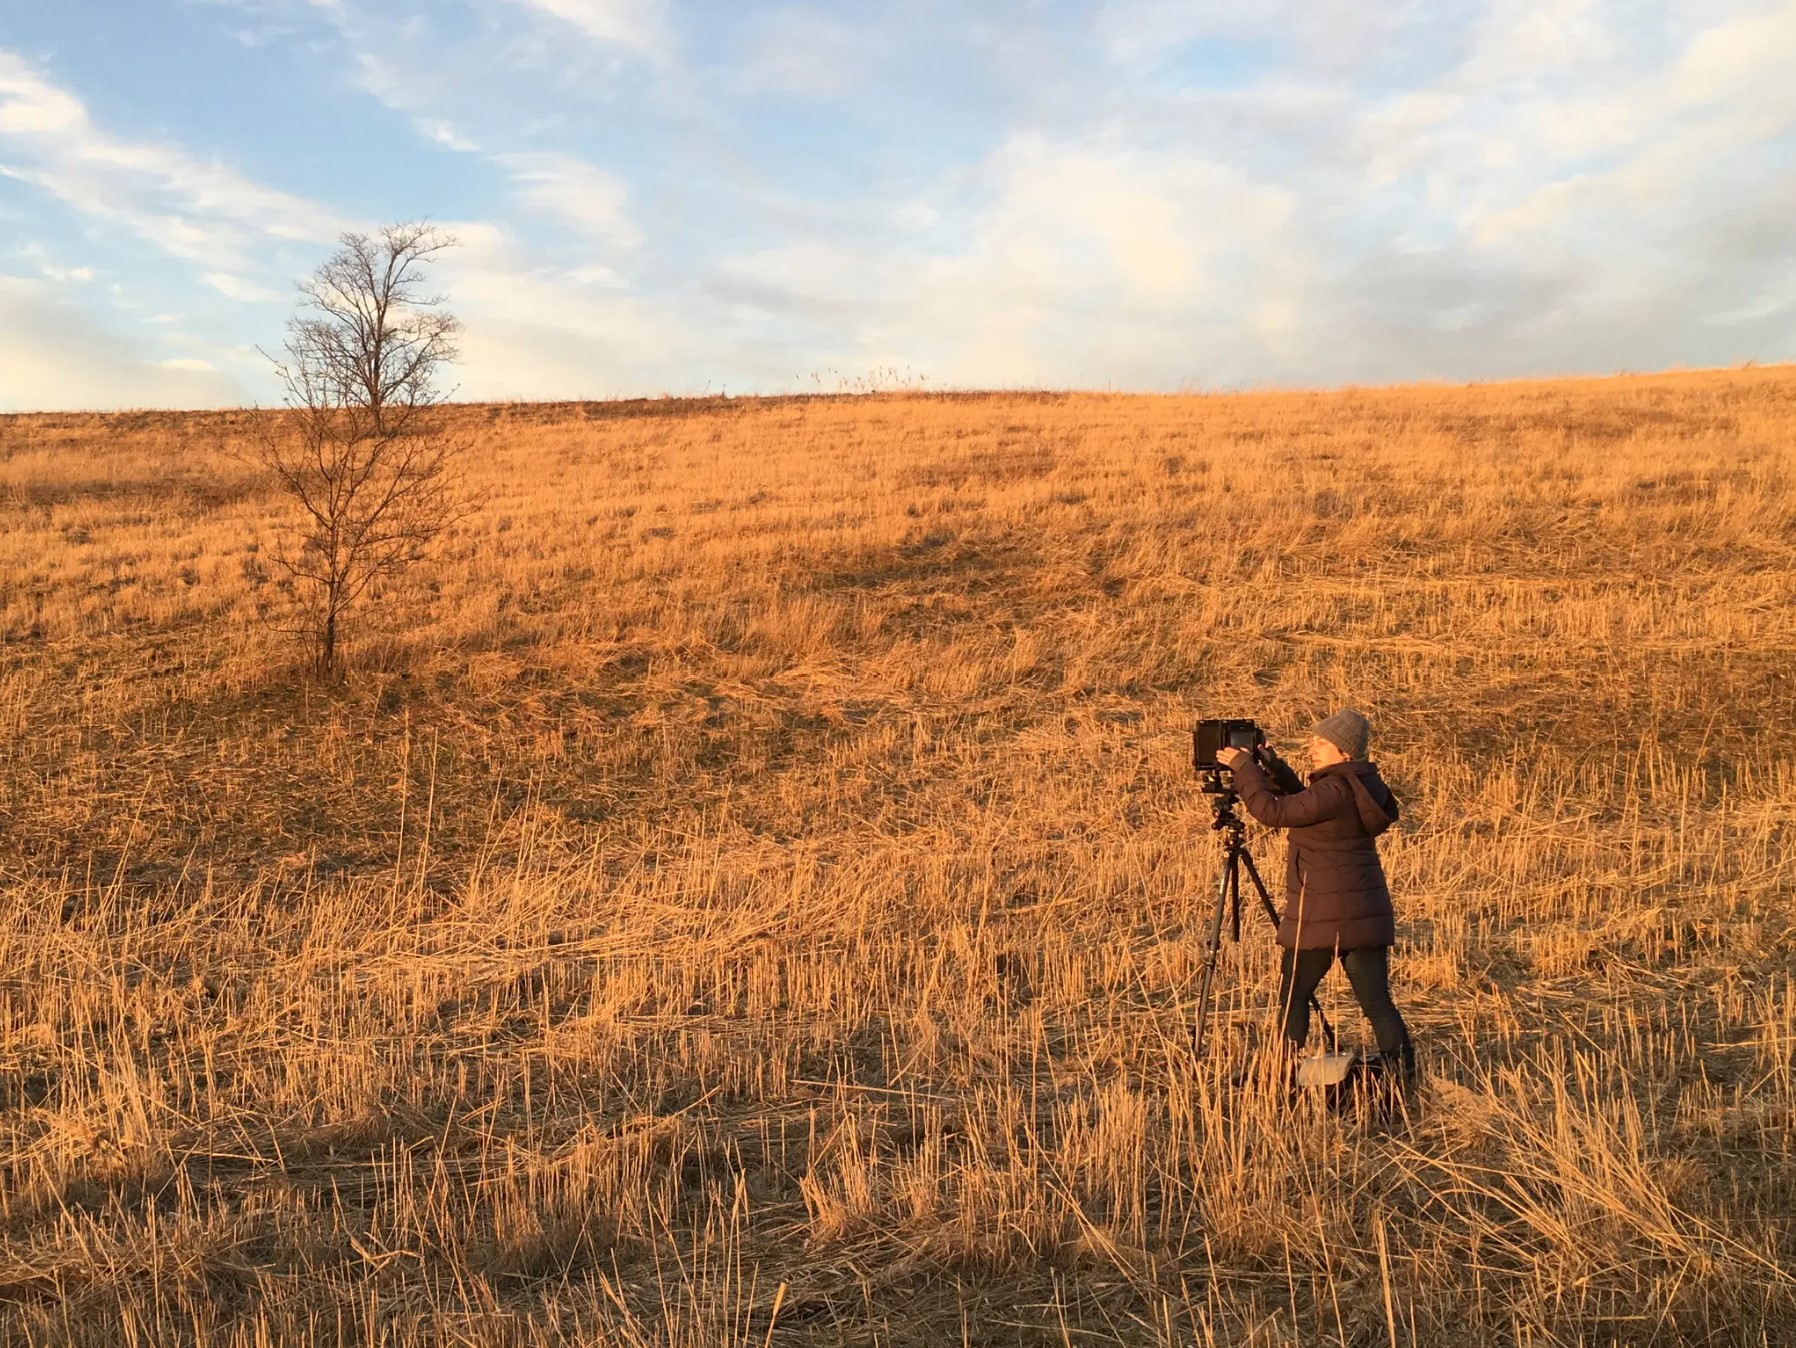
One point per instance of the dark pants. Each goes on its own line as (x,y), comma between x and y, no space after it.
(1369,970)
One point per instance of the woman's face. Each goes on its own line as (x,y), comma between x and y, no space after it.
(1323,753)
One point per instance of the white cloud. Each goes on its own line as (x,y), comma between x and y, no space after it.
(580,194)
(36,255)
(31,107)
(592,274)
(533,330)
(1750,61)
(1524,40)
(200,211)
(445,134)
(1092,263)
(639,24)
(236,288)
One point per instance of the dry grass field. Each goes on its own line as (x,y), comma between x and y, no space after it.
(748,889)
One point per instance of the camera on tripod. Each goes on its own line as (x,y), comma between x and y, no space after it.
(1207,740)
(1211,736)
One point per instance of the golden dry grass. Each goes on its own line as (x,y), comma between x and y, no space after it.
(748,890)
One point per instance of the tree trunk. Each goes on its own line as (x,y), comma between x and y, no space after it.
(327,645)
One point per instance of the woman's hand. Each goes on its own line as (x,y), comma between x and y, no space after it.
(1232,758)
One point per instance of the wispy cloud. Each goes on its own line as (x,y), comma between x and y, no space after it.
(638,24)
(197,210)
(575,192)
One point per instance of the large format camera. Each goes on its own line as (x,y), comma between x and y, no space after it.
(1210,736)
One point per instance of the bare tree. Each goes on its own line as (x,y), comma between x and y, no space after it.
(364,450)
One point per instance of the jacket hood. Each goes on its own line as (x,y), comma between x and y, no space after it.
(1377,806)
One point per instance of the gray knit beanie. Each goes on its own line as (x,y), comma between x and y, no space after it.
(1347,730)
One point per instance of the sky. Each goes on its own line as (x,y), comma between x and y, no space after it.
(687,196)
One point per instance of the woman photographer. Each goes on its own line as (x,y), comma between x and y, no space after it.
(1336,898)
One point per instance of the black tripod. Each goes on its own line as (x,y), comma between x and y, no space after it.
(1228,895)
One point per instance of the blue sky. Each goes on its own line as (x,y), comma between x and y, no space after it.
(669,196)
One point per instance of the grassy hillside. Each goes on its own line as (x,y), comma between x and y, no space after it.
(757,866)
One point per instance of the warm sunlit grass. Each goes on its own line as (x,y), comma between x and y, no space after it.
(758,866)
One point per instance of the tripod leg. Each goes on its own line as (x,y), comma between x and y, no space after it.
(1235,903)
(1212,947)
(1271,911)
(1266,904)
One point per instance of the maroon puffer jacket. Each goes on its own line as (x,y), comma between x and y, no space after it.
(1335,891)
